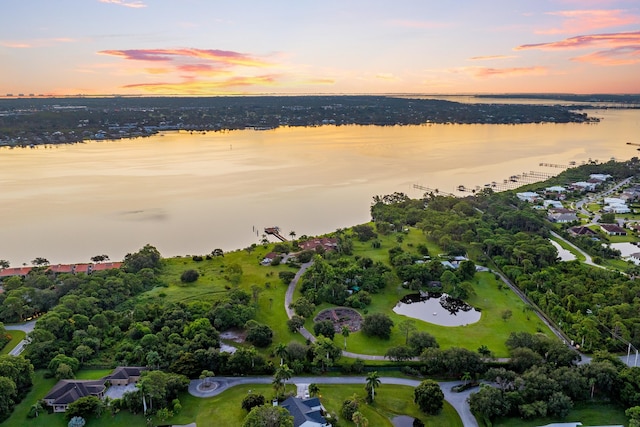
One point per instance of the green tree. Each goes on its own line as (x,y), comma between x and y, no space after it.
(634,416)
(314,390)
(429,397)
(83,407)
(189,276)
(147,257)
(377,325)
(280,377)
(259,334)
(345,334)
(349,407)
(268,416)
(295,323)
(489,403)
(359,419)
(206,376)
(281,352)
(406,327)
(252,400)
(8,394)
(372,382)
(303,307)
(325,328)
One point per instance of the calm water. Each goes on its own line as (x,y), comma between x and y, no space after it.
(189,194)
(439,309)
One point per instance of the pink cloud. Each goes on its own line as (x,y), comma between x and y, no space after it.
(196,87)
(611,40)
(619,56)
(131,4)
(509,72)
(491,57)
(215,55)
(582,21)
(36,43)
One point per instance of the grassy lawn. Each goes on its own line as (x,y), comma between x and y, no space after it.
(588,414)
(41,387)
(491,330)
(16,337)
(391,401)
(225,409)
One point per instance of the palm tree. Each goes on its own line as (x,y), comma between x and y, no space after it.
(280,377)
(466,377)
(373,381)
(314,389)
(345,334)
(292,234)
(281,352)
(205,376)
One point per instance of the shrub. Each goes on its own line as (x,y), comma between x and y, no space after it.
(251,401)
(189,276)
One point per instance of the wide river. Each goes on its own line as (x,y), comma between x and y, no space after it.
(191,193)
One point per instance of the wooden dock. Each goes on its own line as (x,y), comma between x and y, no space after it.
(275,231)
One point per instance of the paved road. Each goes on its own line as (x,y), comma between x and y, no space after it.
(26,328)
(457,400)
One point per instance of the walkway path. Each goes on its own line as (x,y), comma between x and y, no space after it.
(288,298)
(457,400)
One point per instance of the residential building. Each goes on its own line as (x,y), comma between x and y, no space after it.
(528,196)
(613,230)
(306,412)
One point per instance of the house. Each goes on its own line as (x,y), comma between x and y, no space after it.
(268,258)
(15,271)
(66,392)
(327,243)
(125,375)
(613,230)
(305,412)
(562,217)
(528,196)
(584,186)
(600,176)
(555,189)
(635,258)
(552,203)
(582,231)
(617,208)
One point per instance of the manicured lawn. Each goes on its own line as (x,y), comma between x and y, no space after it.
(16,337)
(391,401)
(491,330)
(588,414)
(225,409)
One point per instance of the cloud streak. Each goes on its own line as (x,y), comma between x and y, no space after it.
(583,21)
(488,72)
(611,40)
(130,4)
(168,55)
(491,57)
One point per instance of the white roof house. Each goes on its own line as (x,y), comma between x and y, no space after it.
(555,189)
(552,203)
(617,208)
(528,196)
(600,176)
(587,186)
(614,201)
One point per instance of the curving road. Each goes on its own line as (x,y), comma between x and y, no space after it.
(457,400)
(24,327)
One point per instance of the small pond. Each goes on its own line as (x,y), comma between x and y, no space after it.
(563,254)
(439,309)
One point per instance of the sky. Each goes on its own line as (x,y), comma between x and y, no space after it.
(225,47)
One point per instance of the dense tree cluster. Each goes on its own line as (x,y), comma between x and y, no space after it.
(16,378)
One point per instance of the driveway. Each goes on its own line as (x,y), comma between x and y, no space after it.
(457,400)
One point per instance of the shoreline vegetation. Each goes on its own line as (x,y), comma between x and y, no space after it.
(152,313)
(30,122)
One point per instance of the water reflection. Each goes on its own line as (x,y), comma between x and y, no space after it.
(436,308)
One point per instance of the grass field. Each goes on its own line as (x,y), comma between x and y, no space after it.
(491,330)
(588,414)
(16,337)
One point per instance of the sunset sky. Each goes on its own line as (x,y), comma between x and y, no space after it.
(212,47)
